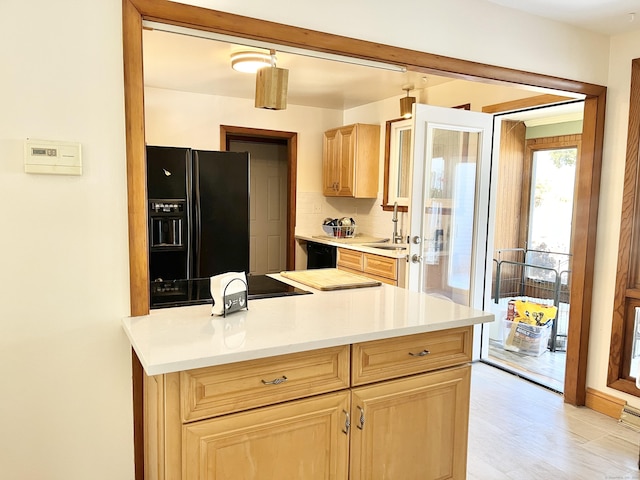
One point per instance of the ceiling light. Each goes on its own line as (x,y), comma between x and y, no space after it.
(249,62)
(407,102)
(163,27)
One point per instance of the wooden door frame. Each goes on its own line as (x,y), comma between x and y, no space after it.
(230,133)
(164,11)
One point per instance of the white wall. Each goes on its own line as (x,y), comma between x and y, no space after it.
(193,120)
(624,48)
(65,401)
(467,29)
(65,407)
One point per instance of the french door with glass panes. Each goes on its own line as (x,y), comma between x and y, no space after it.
(450,203)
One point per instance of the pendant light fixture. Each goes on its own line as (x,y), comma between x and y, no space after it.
(271,86)
(407,102)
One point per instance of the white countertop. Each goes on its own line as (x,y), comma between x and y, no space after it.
(182,338)
(354,244)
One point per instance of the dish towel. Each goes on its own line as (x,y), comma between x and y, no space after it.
(234,286)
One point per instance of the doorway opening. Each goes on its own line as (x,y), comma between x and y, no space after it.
(273,167)
(537,154)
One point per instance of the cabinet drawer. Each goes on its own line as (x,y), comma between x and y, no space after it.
(380,266)
(350,259)
(218,390)
(388,281)
(396,357)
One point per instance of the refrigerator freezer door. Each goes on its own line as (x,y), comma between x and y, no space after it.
(221,212)
(167,172)
(169,213)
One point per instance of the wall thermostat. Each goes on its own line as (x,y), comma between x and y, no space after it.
(52,157)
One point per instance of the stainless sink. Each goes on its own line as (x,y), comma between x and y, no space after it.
(388,246)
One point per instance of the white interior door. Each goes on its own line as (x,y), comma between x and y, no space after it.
(268,213)
(449,209)
(267,205)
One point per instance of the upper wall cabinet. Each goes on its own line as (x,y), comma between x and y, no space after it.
(350,159)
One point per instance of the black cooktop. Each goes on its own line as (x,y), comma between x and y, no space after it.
(180,293)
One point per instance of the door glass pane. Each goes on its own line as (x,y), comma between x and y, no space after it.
(449,199)
(404,156)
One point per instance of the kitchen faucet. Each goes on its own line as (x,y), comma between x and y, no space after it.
(397,237)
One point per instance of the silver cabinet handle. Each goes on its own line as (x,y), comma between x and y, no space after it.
(361,425)
(347,422)
(415,258)
(421,354)
(276,381)
(416,240)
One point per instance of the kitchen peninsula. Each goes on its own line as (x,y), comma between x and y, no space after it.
(339,384)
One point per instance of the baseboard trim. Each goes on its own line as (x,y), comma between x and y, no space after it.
(604,403)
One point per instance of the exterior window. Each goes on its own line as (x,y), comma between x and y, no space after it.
(551,210)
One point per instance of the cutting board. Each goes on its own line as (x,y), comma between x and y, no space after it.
(329,279)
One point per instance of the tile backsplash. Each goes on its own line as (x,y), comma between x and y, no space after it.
(314,207)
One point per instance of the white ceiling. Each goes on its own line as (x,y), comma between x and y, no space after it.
(188,63)
(603,16)
(192,64)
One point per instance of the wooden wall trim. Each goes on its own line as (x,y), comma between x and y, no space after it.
(240,26)
(583,246)
(136,172)
(523,103)
(628,226)
(604,403)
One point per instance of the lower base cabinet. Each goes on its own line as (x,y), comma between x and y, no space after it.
(302,439)
(411,429)
(403,426)
(378,267)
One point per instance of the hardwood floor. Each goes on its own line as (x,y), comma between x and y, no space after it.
(519,430)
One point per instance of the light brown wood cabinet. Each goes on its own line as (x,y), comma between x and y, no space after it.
(350,161)
(412,428)
(401,412)
(299,439)
(378,267)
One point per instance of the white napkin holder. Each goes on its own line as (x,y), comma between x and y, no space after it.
(229,293)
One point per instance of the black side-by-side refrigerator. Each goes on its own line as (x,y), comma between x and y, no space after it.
(198,203)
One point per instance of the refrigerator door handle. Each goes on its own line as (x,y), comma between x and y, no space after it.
(197,215)
(190,214)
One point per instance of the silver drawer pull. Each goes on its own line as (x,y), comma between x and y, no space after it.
(361,424)
(276,381)
(421,354)
(347,422)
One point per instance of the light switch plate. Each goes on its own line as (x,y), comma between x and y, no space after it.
(52,157)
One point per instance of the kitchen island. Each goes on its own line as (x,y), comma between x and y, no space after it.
(360,383)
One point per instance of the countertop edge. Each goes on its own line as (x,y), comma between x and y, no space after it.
(352,246)
(222,359)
